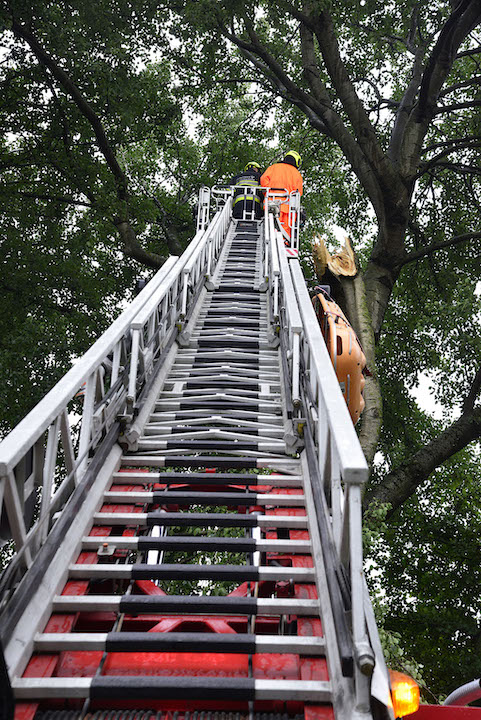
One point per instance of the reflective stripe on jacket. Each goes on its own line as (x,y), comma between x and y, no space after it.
(249,178)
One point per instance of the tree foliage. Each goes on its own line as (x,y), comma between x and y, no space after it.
(113,116)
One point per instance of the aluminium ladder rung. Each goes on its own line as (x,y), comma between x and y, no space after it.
(170,688)
(132,477)
(230,414)
(204,498)
(251,520)
(214,405)
(244,383)
(157,430)
(196,543)
(272,446)
(226,461)
(180,642)
(185,605)
(143,571)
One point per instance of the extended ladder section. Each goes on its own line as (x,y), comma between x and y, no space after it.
(187,532)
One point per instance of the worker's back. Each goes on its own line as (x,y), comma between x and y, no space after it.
(282,175)
(286,176)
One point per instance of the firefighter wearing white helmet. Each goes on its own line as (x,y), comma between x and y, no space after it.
(247,203)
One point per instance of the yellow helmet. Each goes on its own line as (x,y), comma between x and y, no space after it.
(295,155)
(252,166)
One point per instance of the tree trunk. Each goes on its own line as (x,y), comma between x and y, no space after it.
(358,314)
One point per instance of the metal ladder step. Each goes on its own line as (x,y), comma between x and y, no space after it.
(178,642)
(197,544)
(238,573)
(213,478)
(219,520)
(216,461)
(165,688)
(204,498)
(185,605)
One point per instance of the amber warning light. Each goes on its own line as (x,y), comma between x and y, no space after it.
(405,694)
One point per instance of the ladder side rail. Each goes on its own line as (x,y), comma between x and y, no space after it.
(272,264)
(217,238)
(158,319)
(191,263)
(293,319)
(151,328)
(203,208)
(101,406)
(49,472)
(294,217)
(29,601)
(22,438)
(340,441)
(335,580)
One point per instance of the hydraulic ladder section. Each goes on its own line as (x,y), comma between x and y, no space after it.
(189,576)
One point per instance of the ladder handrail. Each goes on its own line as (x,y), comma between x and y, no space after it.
(118,370)
(339,457)
(28,431)
(113,371)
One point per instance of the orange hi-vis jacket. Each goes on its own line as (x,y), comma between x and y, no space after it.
(282,175)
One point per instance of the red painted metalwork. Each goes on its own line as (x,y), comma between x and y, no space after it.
(442,712)
(262,666)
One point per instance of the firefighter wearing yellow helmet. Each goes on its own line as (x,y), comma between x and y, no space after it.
(286,175)
(247,203)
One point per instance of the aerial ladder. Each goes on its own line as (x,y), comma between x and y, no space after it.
(185,536)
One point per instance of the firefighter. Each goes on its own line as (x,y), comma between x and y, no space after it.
(286,175)
(247,204)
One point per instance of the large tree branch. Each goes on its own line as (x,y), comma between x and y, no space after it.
(131,246)
(464,17)
(258,55)
(429,249)
(387,178)
(475,80)
(457,106)
(85,108)
(458,168)
(468,53)
(453,143)
(468,144)
(399,484)
(406,105)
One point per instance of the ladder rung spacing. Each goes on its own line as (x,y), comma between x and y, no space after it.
(193,593)
(131,477)
(198,544)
